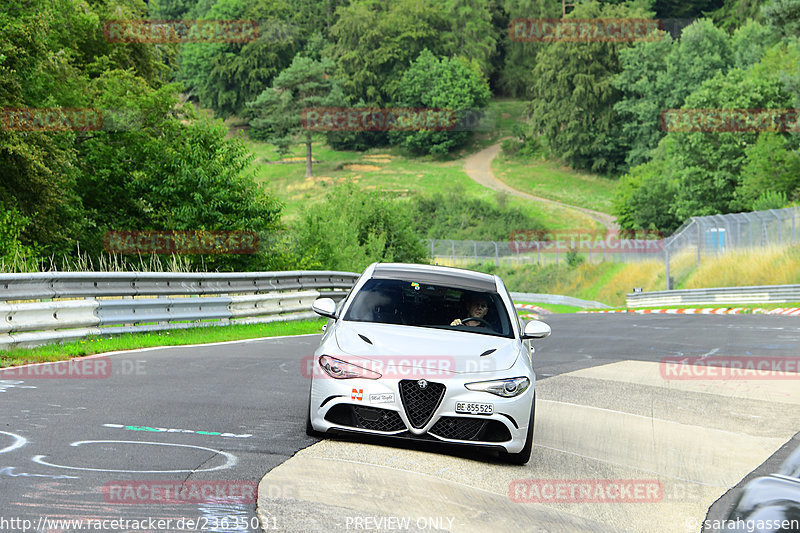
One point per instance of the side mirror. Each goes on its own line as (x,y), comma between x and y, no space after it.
(536,329)
(325,307)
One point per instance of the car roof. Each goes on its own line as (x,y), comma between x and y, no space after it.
(436,275)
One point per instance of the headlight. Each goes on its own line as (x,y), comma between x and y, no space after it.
(338,369)
(507,388)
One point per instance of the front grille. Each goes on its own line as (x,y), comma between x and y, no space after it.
(420,403)
(362,417)
(475,429)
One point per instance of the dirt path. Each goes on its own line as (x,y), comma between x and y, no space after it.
(478,166)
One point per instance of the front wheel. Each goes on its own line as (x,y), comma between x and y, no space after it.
(524,455)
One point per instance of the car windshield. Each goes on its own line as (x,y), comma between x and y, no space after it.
(410,303)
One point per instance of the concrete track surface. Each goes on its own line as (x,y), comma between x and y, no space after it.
(235,413)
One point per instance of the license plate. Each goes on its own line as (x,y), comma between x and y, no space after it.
(474,408)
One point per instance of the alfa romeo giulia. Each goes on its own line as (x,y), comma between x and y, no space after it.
(427,353)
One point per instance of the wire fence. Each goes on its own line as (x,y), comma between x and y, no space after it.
(544,252)
(710,235)
(716,234)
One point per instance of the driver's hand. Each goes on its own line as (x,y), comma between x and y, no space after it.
(456,322)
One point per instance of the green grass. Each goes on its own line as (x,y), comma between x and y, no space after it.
(387,170)
(395,172)
(553,308)
(200,335)
(548,179)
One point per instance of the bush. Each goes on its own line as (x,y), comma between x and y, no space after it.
(351,229)
(451,215)
(447,83)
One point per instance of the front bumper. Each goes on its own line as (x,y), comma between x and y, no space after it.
(377,407)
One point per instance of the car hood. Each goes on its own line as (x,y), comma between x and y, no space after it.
(407,346)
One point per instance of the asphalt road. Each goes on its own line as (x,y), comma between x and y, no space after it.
(222,416)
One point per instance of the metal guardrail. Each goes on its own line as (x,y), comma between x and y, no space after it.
(721,295)
(556,299)
(81,304)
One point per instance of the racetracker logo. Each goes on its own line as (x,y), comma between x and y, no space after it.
(584,30)
(180,492)
(730,120)
(419,367)
(88,368)
(395,119)
(180,31)
(50,119)
(181,242)
(729,368)
(583,241)
(585,491)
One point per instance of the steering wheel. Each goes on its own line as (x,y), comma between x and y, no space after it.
(465,320)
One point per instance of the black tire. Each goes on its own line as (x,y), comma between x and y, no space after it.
(310,431)
(524,455)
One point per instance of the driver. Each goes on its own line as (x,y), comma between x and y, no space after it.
(476,306)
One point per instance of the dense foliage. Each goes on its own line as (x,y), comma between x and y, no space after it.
(157,164)
(449,215)
(353,228)
(151,164)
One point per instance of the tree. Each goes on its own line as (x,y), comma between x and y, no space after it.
(644,198)
(750,41)
(374,42)
(708,164)
(770,167)
(659,75)
(516,75)
(645,91)
(732,13)
(275,116)
(472,34)
(351,229)
(783,16)
(169,169)
(224,76)
(574,95)
(447,83)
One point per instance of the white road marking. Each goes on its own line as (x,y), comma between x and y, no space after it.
(19,442)
(230,462)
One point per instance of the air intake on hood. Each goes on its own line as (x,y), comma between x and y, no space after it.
(487,352)
(365,339)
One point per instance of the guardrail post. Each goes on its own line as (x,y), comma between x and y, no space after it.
(497,254)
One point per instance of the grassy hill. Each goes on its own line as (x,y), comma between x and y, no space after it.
(610,282)
(401,175)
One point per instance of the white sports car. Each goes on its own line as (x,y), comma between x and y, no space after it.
(427,353)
